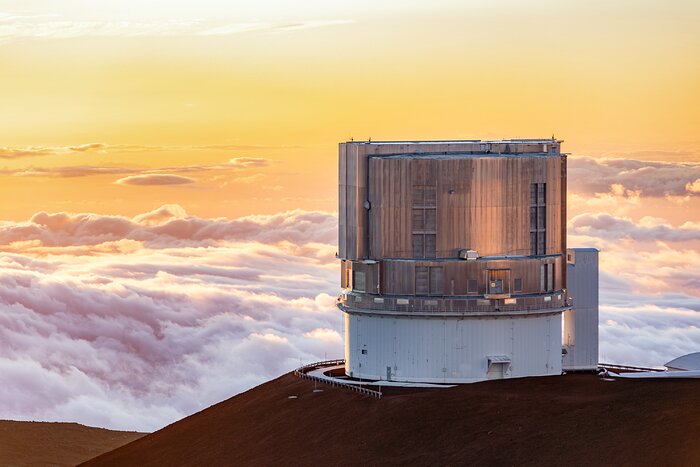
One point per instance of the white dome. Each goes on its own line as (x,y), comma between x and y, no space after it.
(688,362)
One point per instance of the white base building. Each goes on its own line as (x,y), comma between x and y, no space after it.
(451,350)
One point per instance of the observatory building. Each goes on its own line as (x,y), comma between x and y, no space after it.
(454,261)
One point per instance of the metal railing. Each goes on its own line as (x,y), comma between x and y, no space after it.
(610,366)
(302,372)
(444,304)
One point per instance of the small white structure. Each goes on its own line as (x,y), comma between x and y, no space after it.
(580,331)
(690,362)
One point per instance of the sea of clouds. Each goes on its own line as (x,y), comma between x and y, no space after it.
(133,323)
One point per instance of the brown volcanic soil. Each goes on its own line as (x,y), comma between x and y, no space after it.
(573,419)
(56,444)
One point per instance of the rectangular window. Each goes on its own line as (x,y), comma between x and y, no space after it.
(547,277)
(430,246)
(541,219)
(359,281)
(429,280)
(540,243)
(550,277)
(422,280)
(472,286)
(543,273)
(517,284)
(538,219)
(436,287)
(424,221)
(430,220)
(430,196)
(541,194)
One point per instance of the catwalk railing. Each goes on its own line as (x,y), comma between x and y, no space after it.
(447,304)
(303,372)
(611,366)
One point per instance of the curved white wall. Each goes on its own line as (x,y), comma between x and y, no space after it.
(450,349)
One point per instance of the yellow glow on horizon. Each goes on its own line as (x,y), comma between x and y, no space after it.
(607,77)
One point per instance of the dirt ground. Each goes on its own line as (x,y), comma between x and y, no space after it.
(573,419)
(56,444)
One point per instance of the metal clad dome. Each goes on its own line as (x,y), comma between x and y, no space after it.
(688,362)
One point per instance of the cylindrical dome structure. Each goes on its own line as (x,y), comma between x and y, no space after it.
(452,259)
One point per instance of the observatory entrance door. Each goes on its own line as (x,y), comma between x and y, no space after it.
(495,371)
(497,366)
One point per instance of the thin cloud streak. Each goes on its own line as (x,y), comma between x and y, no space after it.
(14,27)
(36,151)
(155,180)
(232,165)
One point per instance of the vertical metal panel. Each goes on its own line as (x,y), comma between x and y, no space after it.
(582,278)
(342,202)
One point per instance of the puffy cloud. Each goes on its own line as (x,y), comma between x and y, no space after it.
(155,180)
(647,229)
(627,177)
(168,226)
(693,187)
(138,339)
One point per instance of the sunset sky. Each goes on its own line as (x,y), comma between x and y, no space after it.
(170,83)
(168,176)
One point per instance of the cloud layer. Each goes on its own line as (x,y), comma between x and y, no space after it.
(649,286)
(155,180)
(140,176)
(189,312)
(134,322)
(630,177)
(648,229)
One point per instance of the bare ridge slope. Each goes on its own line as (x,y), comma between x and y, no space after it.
(56,444)
(573,419)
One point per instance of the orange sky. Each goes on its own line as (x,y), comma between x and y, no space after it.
(178,84)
